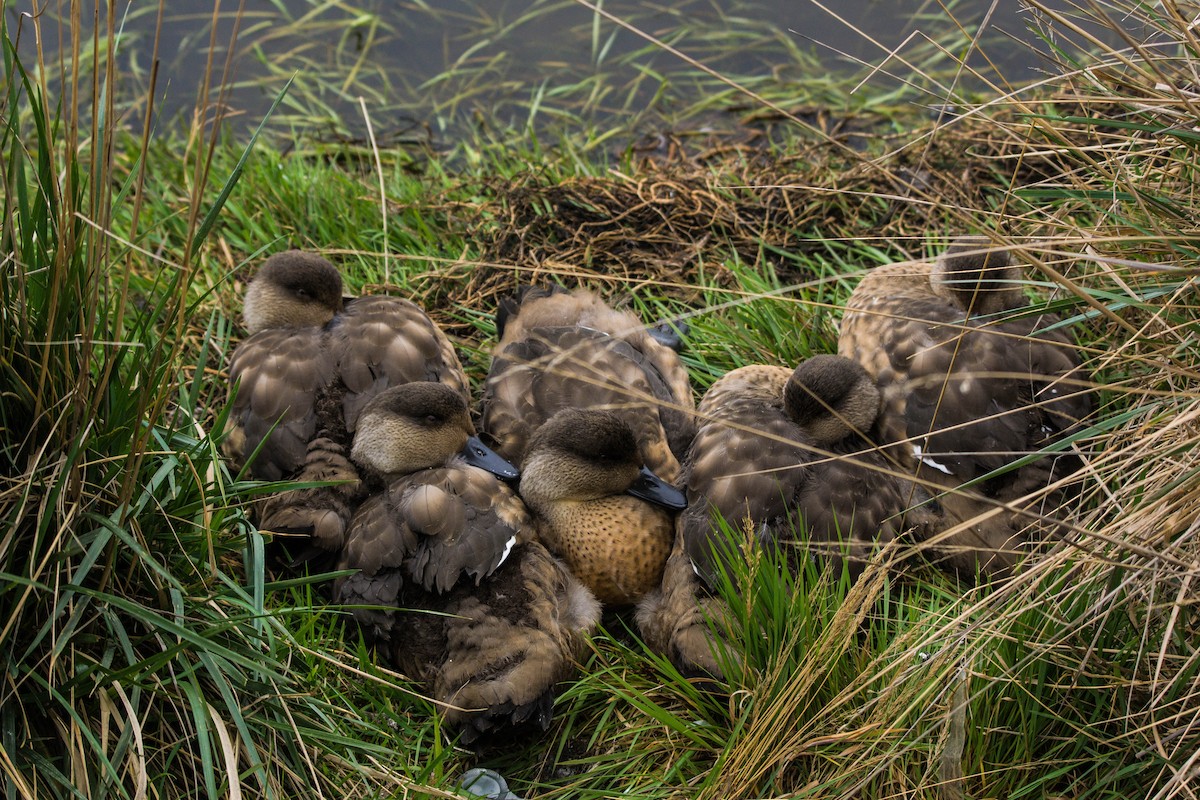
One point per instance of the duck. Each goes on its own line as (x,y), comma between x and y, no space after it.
(311,362)
(779,454)
(561,349)
(448,579)
(780,451)
(970,389)
(282,363)
(597,504)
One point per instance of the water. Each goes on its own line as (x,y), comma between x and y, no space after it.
(429,70)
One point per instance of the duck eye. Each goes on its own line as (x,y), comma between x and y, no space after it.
(302,294)
(432,419)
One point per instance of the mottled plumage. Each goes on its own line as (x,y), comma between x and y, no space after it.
(969,387)
(569,350)
(278,373)
(379,342)
(491,654)
(303,376)
(451,538)
(318,513)
(780,452)
(439,515)
(583,478)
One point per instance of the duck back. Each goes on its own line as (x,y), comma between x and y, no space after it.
(966,396)
(569,350)
(380,342)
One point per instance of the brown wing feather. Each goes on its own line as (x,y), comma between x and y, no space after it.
(379,342)
(567,367)
(748,460)
(437,526)
(675,415)
(851,502)
(321,512)
(469,521)
(377,547)
(986,396)
(681,620)
(276,372)
(510,411)
(377,540)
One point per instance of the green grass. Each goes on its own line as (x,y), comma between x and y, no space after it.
(148,652)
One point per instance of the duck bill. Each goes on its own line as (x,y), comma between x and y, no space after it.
(653,489)
(477,454)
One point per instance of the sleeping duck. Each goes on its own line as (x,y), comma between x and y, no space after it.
(562,349)
(780,451)
(312,361)
(452,585)
(780,454)
(581,397)
(969,389)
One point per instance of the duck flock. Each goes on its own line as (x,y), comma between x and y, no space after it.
(480,548)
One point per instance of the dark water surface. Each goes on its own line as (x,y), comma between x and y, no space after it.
(427,69)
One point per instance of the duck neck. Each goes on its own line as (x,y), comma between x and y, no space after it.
(538,479)
(553,493)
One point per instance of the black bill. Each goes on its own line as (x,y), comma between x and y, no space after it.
(653,489)
(477,454)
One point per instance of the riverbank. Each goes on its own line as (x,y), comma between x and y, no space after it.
(151,653)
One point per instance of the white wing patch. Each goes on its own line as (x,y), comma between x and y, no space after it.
(926,460)
(508,546)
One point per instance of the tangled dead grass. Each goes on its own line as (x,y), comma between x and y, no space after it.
(684,211)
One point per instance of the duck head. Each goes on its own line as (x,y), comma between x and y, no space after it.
(293,289)
(977,279)
(418,426)
(831,397)
(588,454)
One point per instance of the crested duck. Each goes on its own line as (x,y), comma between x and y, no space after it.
(560,349)
(968,389)
(779,451)
(452,585)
